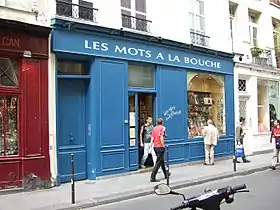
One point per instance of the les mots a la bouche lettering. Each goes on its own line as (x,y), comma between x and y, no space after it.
(104,46)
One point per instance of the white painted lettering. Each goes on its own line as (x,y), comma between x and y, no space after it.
(132,51)
(141,52)
(104,46)
(96,45)
(120,50)
(170,112)
(218,65)
(160,56)
(148,54)
(187,60)
(87,44)
(173,58)
(194,61)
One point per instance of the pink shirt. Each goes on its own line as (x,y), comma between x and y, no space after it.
(157,132)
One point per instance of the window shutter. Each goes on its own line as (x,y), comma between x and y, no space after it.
(126,4)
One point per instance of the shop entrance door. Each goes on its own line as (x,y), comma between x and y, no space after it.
(71,128)
(141,105)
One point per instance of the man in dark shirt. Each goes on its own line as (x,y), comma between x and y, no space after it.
(239,135)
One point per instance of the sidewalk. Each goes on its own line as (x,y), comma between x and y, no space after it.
(120,188)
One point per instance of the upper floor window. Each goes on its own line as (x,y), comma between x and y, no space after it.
(79,9)
(253,28)
(232,11)
(197,23)
(134,15)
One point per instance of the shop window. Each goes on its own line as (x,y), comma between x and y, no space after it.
(8,72)
(72,68)
(205,101)
(141,76)
(273,102)
(263,106)
(8,125)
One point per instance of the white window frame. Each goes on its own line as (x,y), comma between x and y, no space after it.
(253,25)
(195,17)
(133,12)
(75,8)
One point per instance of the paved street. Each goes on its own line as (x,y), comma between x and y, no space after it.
(264,194)
(121,187)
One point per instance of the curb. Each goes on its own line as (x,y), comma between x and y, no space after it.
(148,191)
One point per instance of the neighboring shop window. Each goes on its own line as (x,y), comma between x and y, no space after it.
(8,72)
(8,125)
(205,101)
(72,68)
(263,106)
(141,76)
(273,102)
(8,107)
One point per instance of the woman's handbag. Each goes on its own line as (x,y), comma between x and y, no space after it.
(239,151)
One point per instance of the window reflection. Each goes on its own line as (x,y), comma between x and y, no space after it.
(9,125)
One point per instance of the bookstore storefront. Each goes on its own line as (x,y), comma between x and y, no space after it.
(107,85)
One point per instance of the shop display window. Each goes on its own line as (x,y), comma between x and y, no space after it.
(205,101)
(273,102)
(141,76)
(9,103)
(263,106)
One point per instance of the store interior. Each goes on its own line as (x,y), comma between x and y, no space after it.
(205,101)
(145,109)
(263,106)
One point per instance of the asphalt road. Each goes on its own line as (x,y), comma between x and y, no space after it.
(264,195)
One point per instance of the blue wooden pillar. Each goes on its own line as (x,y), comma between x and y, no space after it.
(91,126)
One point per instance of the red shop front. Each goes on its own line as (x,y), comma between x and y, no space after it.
(24,141)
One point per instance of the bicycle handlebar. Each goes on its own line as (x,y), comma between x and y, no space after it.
(219,194)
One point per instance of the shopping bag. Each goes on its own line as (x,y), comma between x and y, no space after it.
(277,143)
(239,151)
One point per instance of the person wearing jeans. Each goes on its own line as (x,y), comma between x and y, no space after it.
(158,135)
(145,141)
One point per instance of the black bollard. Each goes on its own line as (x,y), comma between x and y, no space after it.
(72,179)
(234,157)
(167,165)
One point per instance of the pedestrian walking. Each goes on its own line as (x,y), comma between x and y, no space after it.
(211,135)
(145,141)
(276,140)
(158,136)
(239,135)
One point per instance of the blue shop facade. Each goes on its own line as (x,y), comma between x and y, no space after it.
(108,81)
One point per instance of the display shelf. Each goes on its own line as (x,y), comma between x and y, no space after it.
(200,110)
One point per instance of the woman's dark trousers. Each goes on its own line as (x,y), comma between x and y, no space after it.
(160,162)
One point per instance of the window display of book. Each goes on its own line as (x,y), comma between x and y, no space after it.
(199,111)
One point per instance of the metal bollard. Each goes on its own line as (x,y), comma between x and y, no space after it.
(167,165)
(72,179)
(234,156)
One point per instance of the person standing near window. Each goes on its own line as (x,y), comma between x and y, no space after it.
(145,141)
(157,142)
(276,139)
(211,135)
(239,135)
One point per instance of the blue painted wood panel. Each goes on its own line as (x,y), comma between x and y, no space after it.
(172,108)
(71,128)
(112,111)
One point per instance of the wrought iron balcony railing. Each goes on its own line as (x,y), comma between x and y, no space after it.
(199,39)
(264,58)
(275,2)
(67,9)
(136,23)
